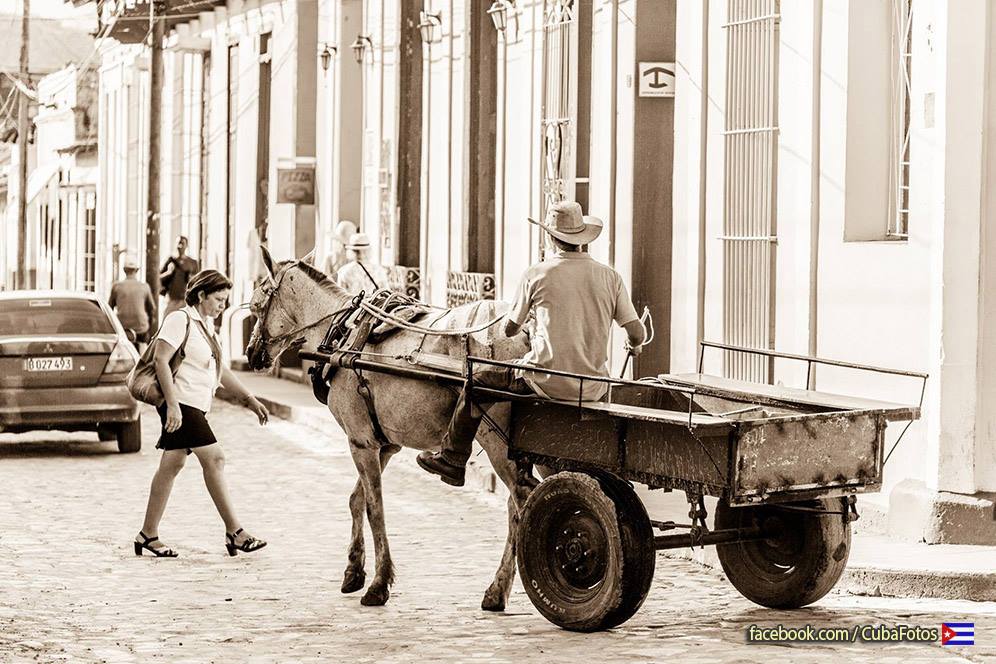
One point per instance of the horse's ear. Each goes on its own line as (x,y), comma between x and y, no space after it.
(309,258)
(267,259)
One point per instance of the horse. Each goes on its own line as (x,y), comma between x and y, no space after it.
(293,306)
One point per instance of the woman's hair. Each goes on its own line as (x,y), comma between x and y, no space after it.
(207,282)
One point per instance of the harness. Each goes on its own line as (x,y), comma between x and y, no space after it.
(364,320)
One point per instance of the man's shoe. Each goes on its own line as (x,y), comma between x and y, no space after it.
(437,465)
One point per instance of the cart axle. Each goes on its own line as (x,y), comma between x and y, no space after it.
(711,537)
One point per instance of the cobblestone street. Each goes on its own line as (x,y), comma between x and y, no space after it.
(71,588)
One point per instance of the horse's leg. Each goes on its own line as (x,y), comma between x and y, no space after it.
(354,577)
(498,592)
(368,462)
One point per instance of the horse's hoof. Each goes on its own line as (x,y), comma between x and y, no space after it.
(353,581)
(494,600)
(375,596)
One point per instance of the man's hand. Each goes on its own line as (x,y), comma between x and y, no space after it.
(633,350)
(636,335)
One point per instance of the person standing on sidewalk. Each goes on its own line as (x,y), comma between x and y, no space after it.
(175,274)
(188,396)
(359,274)
(338,256)
(132,301)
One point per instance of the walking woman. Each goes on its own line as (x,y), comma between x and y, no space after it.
(188,397)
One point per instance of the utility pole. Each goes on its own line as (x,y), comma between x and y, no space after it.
(157,11)
(22,151)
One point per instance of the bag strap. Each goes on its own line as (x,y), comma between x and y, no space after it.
(366,272)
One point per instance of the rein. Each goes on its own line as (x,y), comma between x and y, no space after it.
(271,292)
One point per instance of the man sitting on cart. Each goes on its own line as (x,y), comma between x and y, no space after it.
(574,300)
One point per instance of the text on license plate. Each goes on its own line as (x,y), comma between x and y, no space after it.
(48,364)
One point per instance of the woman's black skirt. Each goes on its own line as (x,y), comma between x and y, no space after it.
(194,431)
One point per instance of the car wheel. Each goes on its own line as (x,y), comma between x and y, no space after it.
(106,433)
(130,436)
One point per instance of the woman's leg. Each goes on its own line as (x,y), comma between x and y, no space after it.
(212,458)
(162,484)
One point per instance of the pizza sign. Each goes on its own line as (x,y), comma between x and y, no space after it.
(296,185)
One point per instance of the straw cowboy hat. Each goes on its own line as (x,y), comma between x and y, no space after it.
(564,221)
(358,241)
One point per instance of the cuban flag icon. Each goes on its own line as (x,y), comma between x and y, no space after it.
(958,634)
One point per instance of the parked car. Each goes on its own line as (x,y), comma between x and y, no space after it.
(64,358)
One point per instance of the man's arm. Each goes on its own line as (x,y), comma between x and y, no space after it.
(150,306)
(512,328)
(636,336)
(519,312)
(112,300)
(167,268)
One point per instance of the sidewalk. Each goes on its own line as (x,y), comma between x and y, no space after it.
(878,565)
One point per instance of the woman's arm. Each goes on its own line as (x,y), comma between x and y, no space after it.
(231,383)
(163,354)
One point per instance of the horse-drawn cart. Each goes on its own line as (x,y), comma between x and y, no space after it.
(784,463)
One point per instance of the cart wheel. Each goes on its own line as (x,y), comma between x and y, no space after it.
(798,566)
(585,552)
(638,545)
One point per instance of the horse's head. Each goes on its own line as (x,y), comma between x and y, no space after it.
(275,322)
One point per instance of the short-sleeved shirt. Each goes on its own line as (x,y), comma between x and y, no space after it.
(575,299)
(353,278)
(133,300)
(197,377)
(183,269)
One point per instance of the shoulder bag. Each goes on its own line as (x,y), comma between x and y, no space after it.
(143,382)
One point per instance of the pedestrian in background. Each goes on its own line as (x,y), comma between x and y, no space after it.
(175,274)
(132,301)
(338,256)
(188,395)
(359,274)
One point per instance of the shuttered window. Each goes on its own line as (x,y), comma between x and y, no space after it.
(751,150)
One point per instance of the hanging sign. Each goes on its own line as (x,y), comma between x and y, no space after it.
(296,185)
(656,79)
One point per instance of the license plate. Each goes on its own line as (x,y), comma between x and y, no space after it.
(48,364)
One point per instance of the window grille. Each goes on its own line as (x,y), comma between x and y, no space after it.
(90,249)
(751,150)
(899,179)
(559,101)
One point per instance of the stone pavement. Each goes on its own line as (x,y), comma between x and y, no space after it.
(72,590)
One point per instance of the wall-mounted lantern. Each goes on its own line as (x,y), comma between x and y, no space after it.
(325,53)
(428,22)
(499,14)
(360,46)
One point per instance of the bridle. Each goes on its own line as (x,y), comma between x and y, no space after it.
(270,289)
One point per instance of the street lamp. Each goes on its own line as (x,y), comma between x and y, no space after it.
(360,46)
(326,53)
(428,22)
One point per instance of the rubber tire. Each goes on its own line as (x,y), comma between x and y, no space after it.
(795,569)
(625,581)
(638,545)
(130,437)
(106,433)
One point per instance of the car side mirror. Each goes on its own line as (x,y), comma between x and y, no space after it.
(130,333)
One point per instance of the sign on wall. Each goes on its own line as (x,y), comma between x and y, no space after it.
(656,79)
(296,185)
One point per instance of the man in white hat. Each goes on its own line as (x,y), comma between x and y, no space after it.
(359,274)
(132,300)
(574,300)
(337,257)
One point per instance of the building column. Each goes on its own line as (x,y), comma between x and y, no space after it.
(347,188)
(951,506)
(305,136)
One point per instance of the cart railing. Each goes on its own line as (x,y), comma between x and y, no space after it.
(811,360)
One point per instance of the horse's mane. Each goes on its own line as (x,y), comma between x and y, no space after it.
(318,277)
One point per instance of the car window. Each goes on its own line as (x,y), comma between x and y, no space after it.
(45,316)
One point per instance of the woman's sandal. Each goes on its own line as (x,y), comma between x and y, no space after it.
(248,545)
(161,552)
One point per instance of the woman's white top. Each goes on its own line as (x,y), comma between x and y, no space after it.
(197,378)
